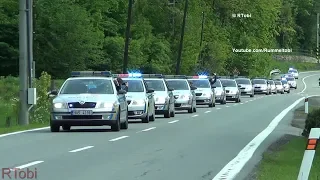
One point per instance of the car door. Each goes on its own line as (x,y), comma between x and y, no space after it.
(123,104)
(150,97)
(170,95)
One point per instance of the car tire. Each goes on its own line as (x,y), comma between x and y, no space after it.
(172,113)
(288,91)
(116,126)
(212,104)
(167,113)
(252,95)
(190,110)
(66,127)
(125,124)
(282,92)
(54,127)
(295,87)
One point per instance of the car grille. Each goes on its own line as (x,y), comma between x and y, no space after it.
(198,94)
(83,117)
(243,88)
(128,101)
(176,96)
(85,105)
(227,91)
(177,105)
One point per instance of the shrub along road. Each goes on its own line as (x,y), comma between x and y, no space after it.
(186,147)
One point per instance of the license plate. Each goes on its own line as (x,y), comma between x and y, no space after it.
(82,112)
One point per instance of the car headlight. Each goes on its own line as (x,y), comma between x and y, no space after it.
(206,94)
(160,100)
(185,97)
(59,105)
(138,102)
(107,105)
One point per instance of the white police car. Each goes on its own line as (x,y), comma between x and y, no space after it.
(294,72)
(291,81)
(183,93)
(140,99)
(89,98)
(204,93)
(163,95)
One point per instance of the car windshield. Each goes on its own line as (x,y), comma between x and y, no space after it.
(157,85)
(217,84)
(271,82)
(290,78)
(278,83)
(243,81)
(292,71)
(135,85)
(229,83)
(203,83)
(87,86)
(258,81)
(178,84)
(284,82)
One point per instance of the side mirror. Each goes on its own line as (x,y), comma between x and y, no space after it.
(170,89)
(122,92)
(53,93)
(150,90)
(193,88)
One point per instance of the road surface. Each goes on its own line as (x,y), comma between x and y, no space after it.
(187,147)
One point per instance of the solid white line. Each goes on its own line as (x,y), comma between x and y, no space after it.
(227,106)
(19,132)
(118,138)
(149,129)
(81,149)
(27,165)
(218,108)
(207,111)
(235,104)
(195,115)
(241,103)
(234,166)
(173,121)
(304,83)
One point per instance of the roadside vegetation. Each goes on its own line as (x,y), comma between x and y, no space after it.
(284,162)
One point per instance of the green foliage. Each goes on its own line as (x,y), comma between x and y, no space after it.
(312,121)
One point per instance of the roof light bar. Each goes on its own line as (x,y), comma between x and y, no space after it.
(91,73)
(152,75)
(175,76)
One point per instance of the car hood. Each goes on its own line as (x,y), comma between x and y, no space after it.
(160,94)
(135,95)
(181,92)
(65,98)
(245,86)
(203,90)
(231,88)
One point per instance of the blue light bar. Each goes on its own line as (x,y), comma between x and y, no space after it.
(203,76)
(152,75)
(91,73)
(135,75)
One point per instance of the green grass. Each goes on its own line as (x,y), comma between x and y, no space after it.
(4,130)
(285,163)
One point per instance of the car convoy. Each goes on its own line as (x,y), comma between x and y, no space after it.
(98,98)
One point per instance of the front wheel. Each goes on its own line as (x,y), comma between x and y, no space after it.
(125,124)
(66,127)
(116,125)
(54,127)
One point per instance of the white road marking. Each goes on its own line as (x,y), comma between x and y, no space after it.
(241,103)
(235,104)
(227,106)
(195,115)
(173,121)
(218,108)
(118,138)
(149,129)
(234,166)
(207,111)
(26,165)
(304,83)
(20,132)
(81,149)
(245,101)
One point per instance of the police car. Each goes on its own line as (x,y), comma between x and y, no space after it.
(291,81)
(232,89)
(204,93)
(183,93)
(261,86)
(294,72)
(140,98)
(220,92)
(246,86)
(163,95)
(286,86)
(89,98)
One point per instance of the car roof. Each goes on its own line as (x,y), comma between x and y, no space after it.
(177,79)
(243,78)
(228,79)
(92,77)
(161,79)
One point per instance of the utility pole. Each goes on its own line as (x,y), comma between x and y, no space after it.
(181,39)
(29,7)
(201,39)
(173,4)
(23,65)
(127,41)
(318,37)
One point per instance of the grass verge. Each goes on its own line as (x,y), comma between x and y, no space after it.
(285,163)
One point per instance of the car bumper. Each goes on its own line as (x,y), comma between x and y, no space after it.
(219,98)
(260,91)
(293,85)
(203,100)
(137,111)
(96,119)
(246,92)
(231,96)
(161,108)
(182,104)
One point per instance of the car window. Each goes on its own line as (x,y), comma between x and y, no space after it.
(203,83)
(278,83)
(228,83)
(135,86)
(290,78)
(271,82)
(258,81)
(243,81)
(157,85)
(292,71)
(178,84)
(284,82)
(87,86)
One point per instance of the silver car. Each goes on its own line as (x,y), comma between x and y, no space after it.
(204,93)
(246,87)
(292,82)
(89,101)
(279,86)
(163,95)
(273,87)
(183,93)
(261,86)
(286,86)
(220,92)
(232,90)
(140,98)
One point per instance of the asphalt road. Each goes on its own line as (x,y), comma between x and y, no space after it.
(188,147)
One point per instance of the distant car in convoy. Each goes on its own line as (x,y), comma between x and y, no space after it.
(232,90)
(292,82)
(273,87)
(261,86)
(286,86)
(204,93)
(246,86)
(279,86)
(220,92)
(294,72)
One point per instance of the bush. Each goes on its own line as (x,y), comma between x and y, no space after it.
(312,121)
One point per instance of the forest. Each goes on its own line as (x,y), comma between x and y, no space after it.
(90,35)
